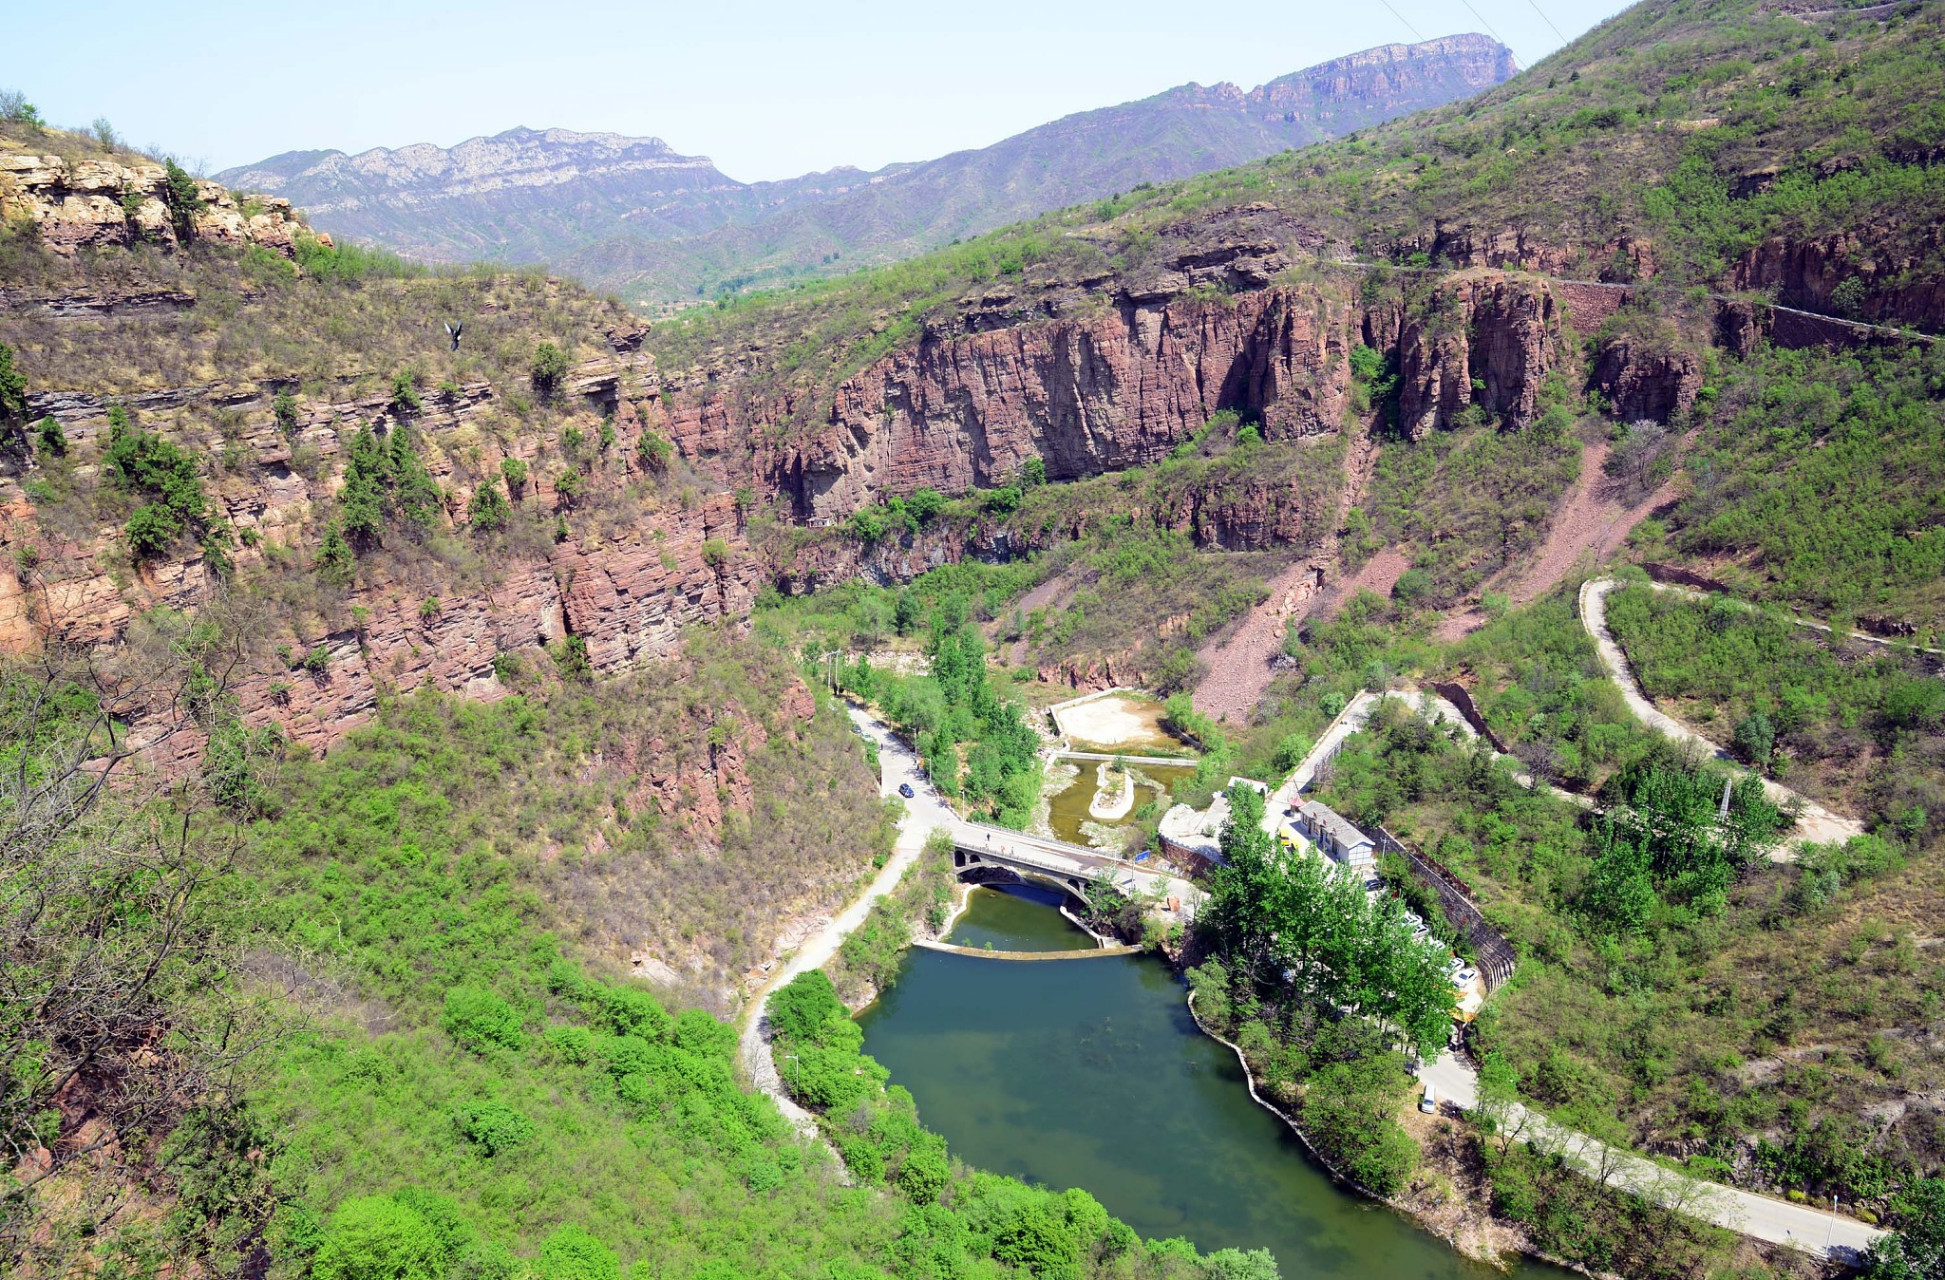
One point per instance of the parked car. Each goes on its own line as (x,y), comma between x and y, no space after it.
(1428,1104)
(1465,977)
(905,789)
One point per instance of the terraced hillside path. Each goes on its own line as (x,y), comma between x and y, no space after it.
(1815,824)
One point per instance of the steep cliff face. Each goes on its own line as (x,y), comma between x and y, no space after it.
(1478,338)
(1121,389)
(1646,380)
(629,592)
(94,202)
(1085,396)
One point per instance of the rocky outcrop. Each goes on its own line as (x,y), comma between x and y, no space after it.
(1084,395)
(90,203)
(693,778)
(628,595)
(1479,338)
(1642,380)
(1896,282)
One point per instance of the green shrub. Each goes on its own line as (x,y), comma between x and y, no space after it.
(488,510)
(405,393)
(150,530)
(52,439)
(481,1020)
(575,1045)
(180,194)
(336,563)
(571,659)
(634,1012)
(653,452)
(514,472)
(377,1238)
(493,1127)
(799,1009)
(572,1254)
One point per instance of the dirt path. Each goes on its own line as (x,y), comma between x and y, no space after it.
(923,812)
(1239,664)
(1378,575)
(1596,518)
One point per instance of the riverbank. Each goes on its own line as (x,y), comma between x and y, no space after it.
(1463,1219)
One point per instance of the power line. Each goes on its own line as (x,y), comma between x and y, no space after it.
(1482,21)
(1543,17)
(1401,18)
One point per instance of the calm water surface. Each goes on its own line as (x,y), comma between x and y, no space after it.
(1090,1073)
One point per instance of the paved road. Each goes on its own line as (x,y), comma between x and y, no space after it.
(923,812)
(1815,1231)
(1814,824)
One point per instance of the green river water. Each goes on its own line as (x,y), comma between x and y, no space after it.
(1091,1073)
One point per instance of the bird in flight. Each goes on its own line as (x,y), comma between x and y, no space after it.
(455,330)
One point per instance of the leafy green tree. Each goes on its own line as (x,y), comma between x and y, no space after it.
(572,1254)
(481,1020)
(488,510)
(1236,1264)
(1916,1250)
(570,656)
(151,529)
(514,472)
(378,1238)
(53,440)
(1755,739)
(405,394)
(549,367)
(800,1008)
(336,563)
(493,1127)
(868,524)
(184,200)
(925,505)
(283,407)
(653,452)
(907,613)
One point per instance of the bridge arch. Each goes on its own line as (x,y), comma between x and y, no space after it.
(986,866)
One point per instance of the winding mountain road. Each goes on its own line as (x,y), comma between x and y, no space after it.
(923,812)
(1815,1231)
(1814,825)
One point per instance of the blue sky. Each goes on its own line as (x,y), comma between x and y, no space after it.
(768,89)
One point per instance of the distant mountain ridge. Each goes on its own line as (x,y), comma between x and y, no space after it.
(636,216)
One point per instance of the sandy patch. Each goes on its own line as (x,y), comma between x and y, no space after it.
(1114,722)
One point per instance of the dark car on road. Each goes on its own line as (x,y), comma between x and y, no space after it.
(905,789)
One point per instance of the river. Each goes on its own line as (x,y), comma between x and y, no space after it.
(1091,1073)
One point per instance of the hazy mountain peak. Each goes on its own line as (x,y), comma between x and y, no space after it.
(632,213)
